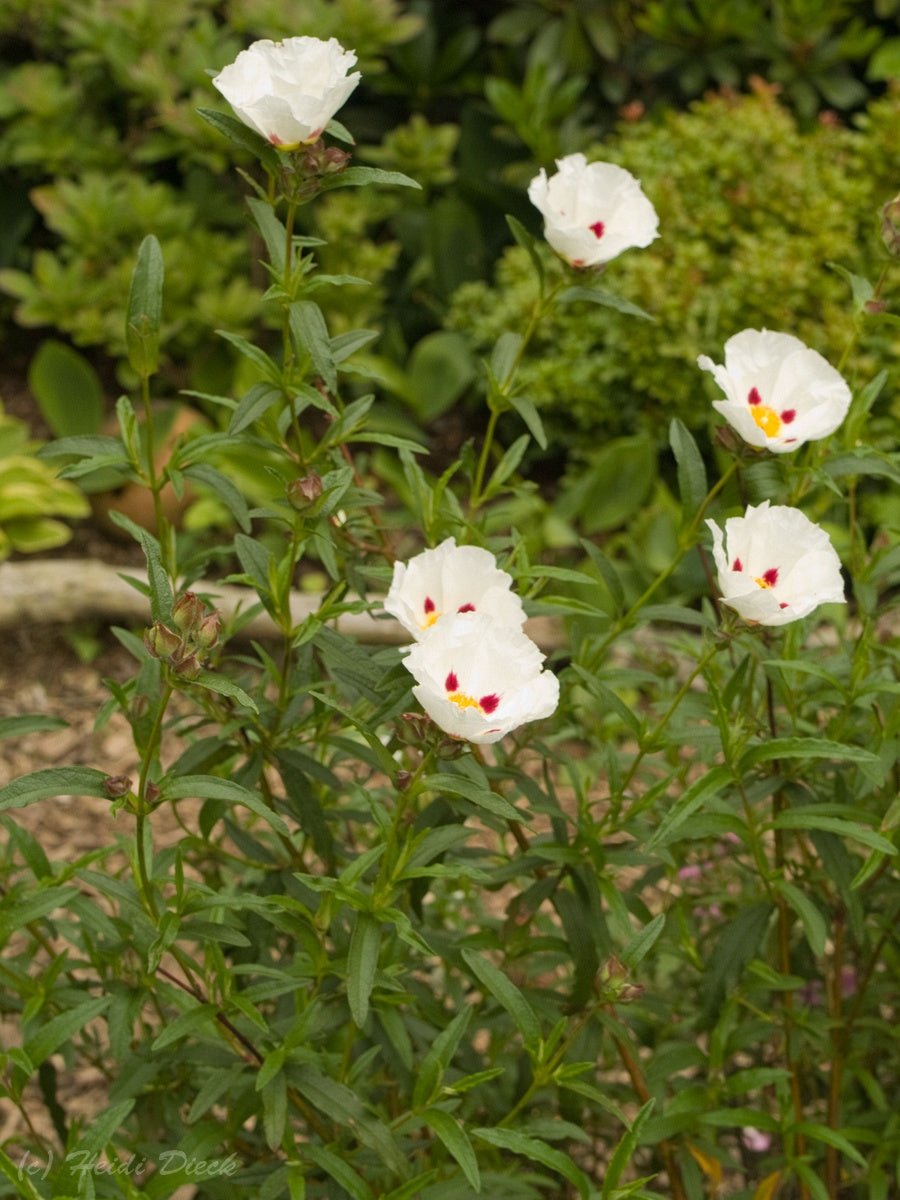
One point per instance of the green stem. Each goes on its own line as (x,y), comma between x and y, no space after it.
(686,541)
(163,529)
(149,756)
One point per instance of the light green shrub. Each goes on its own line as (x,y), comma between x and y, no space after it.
(752,212)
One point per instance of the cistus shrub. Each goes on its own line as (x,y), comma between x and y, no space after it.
(753,212)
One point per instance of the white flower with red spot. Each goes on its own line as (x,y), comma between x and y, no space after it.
(774,565)
(288,91)
(592,211)
(448,580)
(478,680)
(780,393)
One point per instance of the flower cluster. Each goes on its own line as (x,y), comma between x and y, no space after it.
(478,676)
(774,565)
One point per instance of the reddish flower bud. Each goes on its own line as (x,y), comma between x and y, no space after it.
(188,667)
(187,613)
(303,492)
(117,786)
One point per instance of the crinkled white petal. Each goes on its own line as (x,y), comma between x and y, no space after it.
(781,539)
(484,659)
(788,378)
(288,91)
(583,195)
(437,583)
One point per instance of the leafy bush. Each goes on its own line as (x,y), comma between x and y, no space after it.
(642,950)
(752,215)
(31,496)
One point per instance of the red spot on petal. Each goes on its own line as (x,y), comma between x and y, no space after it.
(451,683)
(429,605)
(466,608)
(787,441)
(489,703)
(771,576)
(275,139)
(737,565)
(577,262)
(754,397)
(597,229)
(788,415)
(782,604)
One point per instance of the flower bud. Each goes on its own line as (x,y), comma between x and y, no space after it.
(187,613)
(303,492)
(117,786)
(335,161)
(162,642)
(890,226)
(208,633)
(188,667)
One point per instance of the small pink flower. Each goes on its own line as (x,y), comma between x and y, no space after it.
(755,1140)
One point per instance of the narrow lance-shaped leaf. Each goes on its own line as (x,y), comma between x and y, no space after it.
(507,994)
(145,308)
(362,962)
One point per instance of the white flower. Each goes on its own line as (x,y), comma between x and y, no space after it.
(451,579)
(777,565)
(478,679)
(288,91)
(592,211)
(780,393)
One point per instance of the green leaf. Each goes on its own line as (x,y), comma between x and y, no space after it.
(703,789)
(202,1016)
(642,943)
(623,1152)
(211,787)
(362,963)
(438,1058)
(362,176)
(16,914)
(310,334)
(63,1028)
(224,687)
(274,1103)
(738,943)
(692,485)
(812,920)
(67,389)
(271,230)
(528,243)
(538,1151)
(531,417)
(601,296)
(507,465)
(84,446)
(339,1170)
(456,1140)
(159,585)
(240,135)
(804,748)
(145,308)
(831,1137)
(808,818)
(507,995)
(480,796)
(29,723)
(219,483)
(50,782)
(440,369)
(255,404)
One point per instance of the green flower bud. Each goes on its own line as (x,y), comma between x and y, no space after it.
(208,633)
(162,642)
(303,492)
